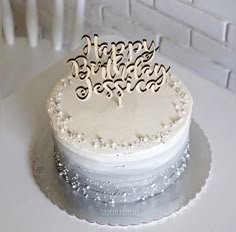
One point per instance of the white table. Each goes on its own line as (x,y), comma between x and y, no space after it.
(23,207)
(20,62)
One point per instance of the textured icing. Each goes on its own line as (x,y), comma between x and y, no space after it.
(126,185)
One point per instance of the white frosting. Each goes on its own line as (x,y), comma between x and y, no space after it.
(148,159)
(147,125)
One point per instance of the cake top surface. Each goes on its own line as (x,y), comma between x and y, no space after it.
(117,120)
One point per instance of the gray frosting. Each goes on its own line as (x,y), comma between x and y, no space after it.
(122,186)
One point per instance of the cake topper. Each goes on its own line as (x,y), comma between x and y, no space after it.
(116,69)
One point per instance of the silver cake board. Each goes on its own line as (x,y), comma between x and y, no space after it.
(156,208)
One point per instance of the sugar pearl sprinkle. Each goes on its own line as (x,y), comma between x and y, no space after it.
(112,193)
(61,120)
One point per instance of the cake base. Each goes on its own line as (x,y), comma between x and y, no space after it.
(156,208)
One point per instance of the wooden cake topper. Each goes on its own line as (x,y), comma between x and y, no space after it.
(122,67)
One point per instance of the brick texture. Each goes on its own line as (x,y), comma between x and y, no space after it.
(120,6)
(148,2)
(218,52)
(193,17)
(127,25)
(195,61)
(231,39)
(232,82)
(160,24)
(224,9)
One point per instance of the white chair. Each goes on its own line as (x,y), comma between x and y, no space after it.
(21,59)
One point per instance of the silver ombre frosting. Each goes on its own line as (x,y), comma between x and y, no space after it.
(122,186)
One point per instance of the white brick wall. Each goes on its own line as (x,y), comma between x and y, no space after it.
(232,82)
(213,49)
(201,34)
(231,38)
(148,2)
(224,9)
(195,18)
(158,23)
(194,60)
(120,6)
(128,26)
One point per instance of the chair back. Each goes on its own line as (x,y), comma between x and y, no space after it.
(32,23)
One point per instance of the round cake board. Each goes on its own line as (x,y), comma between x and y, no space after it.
(157,208)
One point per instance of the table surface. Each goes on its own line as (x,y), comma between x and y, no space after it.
(25,208)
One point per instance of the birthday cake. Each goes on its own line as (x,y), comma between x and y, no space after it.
(120,122)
